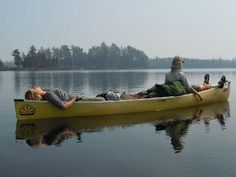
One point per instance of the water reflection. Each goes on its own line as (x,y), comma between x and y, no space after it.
(86,82)
(53,137)
(178,128)
(116,80)
(175,123)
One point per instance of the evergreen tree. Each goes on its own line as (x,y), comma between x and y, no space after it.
(17,58)
(65,55)
(78,57)
(25,60)
(1,64)
(114,55)
(55,57)
(32,57)
(48,57)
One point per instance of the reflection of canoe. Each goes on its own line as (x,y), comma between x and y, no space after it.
(30,128)
(41,109)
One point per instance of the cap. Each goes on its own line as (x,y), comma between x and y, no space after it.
(177,58)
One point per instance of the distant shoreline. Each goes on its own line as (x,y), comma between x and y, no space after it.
(121,69)
(101,57)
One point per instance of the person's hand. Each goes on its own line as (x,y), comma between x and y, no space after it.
(200,97)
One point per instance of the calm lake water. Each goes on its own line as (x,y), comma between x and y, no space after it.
(191,142)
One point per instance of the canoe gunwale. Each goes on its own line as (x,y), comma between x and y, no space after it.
(114,101)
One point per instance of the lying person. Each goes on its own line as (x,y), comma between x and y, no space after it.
(59,98)
(176,83)
(177,88)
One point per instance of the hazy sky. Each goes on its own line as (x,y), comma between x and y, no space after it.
(190,28)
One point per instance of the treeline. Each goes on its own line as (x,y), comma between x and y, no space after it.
(103,57)
(74,57)
(1,64)
(164,63)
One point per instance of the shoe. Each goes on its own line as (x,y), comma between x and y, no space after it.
(222,82)
(206,78)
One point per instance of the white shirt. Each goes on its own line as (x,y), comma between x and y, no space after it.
(173,76)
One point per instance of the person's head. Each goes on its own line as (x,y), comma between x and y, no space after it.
(34,93)
(206,78)
(177,63)
(35,142)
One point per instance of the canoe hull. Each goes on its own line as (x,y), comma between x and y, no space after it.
(26,129)
(28,109)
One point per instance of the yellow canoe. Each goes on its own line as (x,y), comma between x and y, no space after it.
(28,109)
(26,129)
